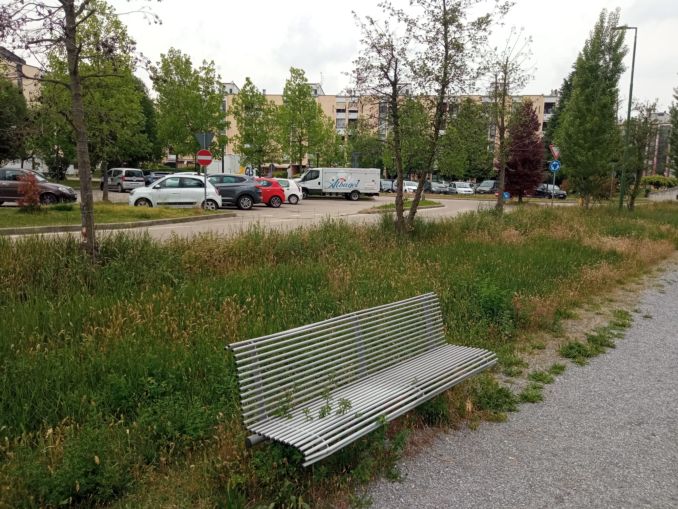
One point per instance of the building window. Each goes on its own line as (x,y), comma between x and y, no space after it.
(341,123)
(341,110)
(548,108)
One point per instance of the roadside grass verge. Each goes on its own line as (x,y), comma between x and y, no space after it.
(597,341)
(116,388)
(69,214)
(390,207)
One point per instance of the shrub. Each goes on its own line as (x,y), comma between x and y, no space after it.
(29,192)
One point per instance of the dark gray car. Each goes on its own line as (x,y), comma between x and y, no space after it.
(239,190)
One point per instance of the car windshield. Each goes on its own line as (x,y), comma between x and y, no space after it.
(487,183)
(284,182)
(134,173)
(462,184)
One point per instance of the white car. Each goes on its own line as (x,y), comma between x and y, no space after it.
(293,193)
(461,188)
(409,186)
(177,190)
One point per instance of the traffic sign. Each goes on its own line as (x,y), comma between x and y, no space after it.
(554,166)
(204,139)
(204,157)
(506,195)
(555,151)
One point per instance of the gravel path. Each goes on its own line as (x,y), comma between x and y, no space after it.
(606,435)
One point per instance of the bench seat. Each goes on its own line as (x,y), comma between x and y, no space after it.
(321,387)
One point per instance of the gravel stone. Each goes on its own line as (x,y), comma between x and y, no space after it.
(606,435)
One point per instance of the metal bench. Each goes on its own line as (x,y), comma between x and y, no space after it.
(322,386)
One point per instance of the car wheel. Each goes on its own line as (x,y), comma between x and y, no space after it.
(48,199)
(210,205)
(120,190)
(245,202)
(293,199)
(354,196)
(275,202)
(143,202)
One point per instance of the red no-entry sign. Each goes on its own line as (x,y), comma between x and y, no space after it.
(204,157)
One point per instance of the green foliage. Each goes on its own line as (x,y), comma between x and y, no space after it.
(255,118)
(189,101)
(642,135)
(673,137)
(659,181)
(302,125)
(464,151)
(532,393)
(414,139)
(588,135)
(120,124)
(489,395)
(557,369)
(435,412)
(13,121)
(542,377)
(365,148)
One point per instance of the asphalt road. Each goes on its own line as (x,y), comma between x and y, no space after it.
(606,435)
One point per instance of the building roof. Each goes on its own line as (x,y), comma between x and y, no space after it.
(8,55)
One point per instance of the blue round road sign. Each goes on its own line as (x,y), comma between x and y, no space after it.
(506,195)
(554,166)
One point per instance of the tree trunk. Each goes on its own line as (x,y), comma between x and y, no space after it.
(502,138)
(104,180)
(636,188)
(80,126)
(397,150)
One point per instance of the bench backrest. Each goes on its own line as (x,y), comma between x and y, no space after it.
(283,370)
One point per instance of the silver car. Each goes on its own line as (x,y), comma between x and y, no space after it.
(124,179)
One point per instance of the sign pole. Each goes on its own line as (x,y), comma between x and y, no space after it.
(553,189)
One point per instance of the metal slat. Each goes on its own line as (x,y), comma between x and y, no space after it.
(260,341)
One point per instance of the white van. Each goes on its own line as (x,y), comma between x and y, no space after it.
(352,183)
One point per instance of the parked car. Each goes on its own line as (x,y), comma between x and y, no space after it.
(239,190)
(293,192)
(124,179)
(461,188)
(409,186)
(487,187)
(176,191)
(440,188)
(50,193)
(151,176)
(272,193)
(548,191)
(386,185)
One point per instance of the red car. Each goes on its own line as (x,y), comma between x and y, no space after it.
(272,193)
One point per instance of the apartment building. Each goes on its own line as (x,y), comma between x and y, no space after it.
(24,76)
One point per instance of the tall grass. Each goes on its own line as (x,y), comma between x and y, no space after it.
(113,373)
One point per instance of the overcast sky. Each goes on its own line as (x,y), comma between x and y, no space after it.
(262,39)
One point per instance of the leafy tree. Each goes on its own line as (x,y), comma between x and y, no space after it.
(414,121)
(255,118)
(44,27)
(673,139)
(431,51)
(189,101)
(642,134)
(588,135)
(564,95)
(326,143)
(464,148)
(364,147)
(525,152)
(300,119)
(509,76)
(113,102)
(13,121)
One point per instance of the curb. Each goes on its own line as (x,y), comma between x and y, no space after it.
(376,211)
(31,230)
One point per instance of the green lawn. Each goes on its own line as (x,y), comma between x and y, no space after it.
(388,207)
(117,390)
(69,214)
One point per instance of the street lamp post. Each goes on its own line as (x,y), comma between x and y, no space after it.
(622,184)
